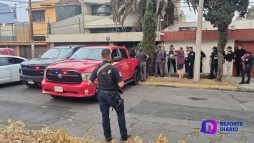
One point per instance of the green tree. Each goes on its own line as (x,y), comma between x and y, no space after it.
(220,13)
(149,32)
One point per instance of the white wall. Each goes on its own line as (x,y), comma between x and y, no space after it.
(96,37)
(206,48)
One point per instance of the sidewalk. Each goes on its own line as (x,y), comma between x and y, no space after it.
(203,83)
(244,87)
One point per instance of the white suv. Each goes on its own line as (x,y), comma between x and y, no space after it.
(10,68)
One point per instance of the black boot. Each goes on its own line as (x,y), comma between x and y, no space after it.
(125,137)
(247,82)
(241,82)
(109,139)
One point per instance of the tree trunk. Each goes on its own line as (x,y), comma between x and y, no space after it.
(222,41)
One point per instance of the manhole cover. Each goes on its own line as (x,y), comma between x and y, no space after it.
(196,98)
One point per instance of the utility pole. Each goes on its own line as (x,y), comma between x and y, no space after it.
(31,28)
(198,41)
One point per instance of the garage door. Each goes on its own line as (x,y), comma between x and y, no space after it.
(249,46)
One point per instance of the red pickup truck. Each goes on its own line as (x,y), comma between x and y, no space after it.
(70,78)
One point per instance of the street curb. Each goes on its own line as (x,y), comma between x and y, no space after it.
(192,85)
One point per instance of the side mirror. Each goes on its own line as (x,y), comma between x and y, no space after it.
(117,59)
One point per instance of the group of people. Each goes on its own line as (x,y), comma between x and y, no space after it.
(110,78)
(180,60)
(175,58)
(238,57)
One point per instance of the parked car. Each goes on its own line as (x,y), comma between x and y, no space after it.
(10,68)
(32,71)
(70,78)
(7,51)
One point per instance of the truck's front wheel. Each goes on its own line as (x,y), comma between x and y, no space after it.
(136,77)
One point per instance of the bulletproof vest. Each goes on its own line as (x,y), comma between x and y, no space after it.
(106,81)
(215,58)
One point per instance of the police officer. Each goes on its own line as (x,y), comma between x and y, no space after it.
(186,61)
(229,58)
(238,59)
(109,80)
(213,62)
(159,59)
(248,61)
(191,59)
(171,59)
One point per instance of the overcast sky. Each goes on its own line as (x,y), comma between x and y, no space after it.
(22,12)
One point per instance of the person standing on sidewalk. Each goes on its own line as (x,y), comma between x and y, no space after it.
(132,53)
(180,62)
(159,58)
(238,60)
(164,60)
(248,61)
(186,61)
(110,80)
(171,59)
(142,58)
(201,61)
(213,63)
(191,58)
(229,57)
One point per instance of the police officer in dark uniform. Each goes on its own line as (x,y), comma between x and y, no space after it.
(109,81)
(238,59)
(191,59)
(213,62)
(248,61)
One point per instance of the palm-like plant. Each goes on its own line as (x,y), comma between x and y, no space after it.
(163,8)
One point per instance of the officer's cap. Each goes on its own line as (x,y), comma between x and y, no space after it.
(229,47)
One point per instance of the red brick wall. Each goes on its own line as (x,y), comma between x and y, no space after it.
(238,34)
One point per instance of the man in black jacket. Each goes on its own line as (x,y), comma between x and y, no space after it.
(229,58)
(213,63)
(238,60)
(171,59)
(191,59)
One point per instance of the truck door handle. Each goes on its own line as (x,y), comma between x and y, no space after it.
(129,62)
(120,65)
(6,69)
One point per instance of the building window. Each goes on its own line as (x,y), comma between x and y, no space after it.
(39,38)
(110,30)
(38,15)
(101,10)
(124,54)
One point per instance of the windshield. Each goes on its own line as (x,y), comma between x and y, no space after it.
(57,53)
(87,53)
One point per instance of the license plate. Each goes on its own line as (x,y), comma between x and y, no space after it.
(58,89)
(30,82)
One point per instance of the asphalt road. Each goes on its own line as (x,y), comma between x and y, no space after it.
(174,112)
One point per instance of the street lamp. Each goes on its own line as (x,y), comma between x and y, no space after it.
(159,27)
